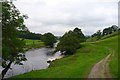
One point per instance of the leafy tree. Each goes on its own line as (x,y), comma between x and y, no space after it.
(49,39)
(114,28)
(68,44)
(110,30)
(70,41)
(12,47)
(107,31)
(98,34)
(79,34)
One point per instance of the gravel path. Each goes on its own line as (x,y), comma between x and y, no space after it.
(101,69)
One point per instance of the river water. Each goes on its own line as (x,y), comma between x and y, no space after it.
(36,60)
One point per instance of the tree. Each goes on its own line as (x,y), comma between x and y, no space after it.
(110,30)
(49,39)
(107,31)
(12,46)
(79,34)
(114,28)
(70,41)
(98,34)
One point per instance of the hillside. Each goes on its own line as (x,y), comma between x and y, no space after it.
(104,37)
(111,35)
(80,64)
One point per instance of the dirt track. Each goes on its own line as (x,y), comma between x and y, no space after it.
(101,69)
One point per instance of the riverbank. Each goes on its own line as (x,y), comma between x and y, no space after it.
(33,44)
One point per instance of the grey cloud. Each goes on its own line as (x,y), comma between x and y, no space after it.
(59,16)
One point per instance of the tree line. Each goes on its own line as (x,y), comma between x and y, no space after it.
(105,32)
(30,35)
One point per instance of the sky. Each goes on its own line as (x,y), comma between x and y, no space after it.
(60,16)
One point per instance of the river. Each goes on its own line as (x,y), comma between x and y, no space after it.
(36,60)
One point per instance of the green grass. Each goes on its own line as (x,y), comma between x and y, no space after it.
(111,43)
(31,44)
(80,64)
(74,66)
(92,39)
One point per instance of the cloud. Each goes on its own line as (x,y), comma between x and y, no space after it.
(59,16)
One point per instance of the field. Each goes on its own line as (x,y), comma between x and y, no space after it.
(31,44)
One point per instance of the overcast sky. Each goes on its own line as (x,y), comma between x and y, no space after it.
(60,16)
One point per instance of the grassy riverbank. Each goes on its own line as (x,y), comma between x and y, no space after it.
(32,44)
(80,64)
